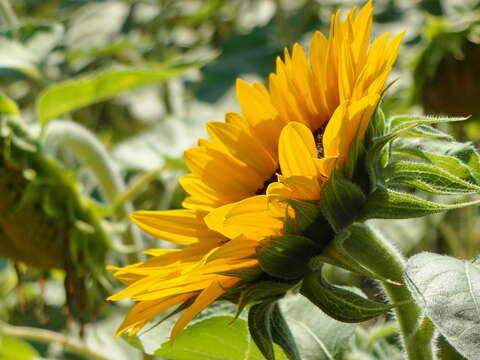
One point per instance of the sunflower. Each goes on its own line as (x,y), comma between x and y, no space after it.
(285,144)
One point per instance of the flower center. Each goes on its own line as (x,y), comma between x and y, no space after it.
(318,136)
(273,178)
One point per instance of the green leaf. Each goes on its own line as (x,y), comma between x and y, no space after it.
(86,90)
(428,178)
(318,336)
(8,106)
(12,348)
(448,291)
(211,338)
(389,204)
(286,257)
(339,303)
(340,201)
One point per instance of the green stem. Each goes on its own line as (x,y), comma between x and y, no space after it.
(416,336)
(47,336)
(86,146)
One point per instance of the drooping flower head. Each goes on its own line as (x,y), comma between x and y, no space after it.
(285,145)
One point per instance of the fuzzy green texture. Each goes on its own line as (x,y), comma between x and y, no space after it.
(45,222)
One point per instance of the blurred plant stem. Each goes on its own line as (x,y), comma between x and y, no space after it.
(89,149)
(308,12)
(9,15)
(460,232)
(384,331)
(284,34)
(47,336)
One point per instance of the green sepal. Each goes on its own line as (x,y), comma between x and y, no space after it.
(398,125)
(286,257)
(340,304)
(261,292)
(348,251)
(260,327)
(356,152)
(247,274)
(448,163)
(429,178)
(388,204)
(340,201)
(427,144)
(282,335)
(306,213)
(267,325)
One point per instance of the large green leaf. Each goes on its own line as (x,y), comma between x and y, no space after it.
(86,90)
(216,334)
(318,336)
(448,291)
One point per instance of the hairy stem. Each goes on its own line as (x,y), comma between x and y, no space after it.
(47,336)
(86,146)
(416,335)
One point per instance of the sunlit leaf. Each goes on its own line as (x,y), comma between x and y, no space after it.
(448,291)
(76,93)
(318,336)
(17,61)
(211,338)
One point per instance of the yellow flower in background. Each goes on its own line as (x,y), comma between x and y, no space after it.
(285,144)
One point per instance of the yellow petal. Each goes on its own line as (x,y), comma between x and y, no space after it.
(242,146)
(332,137)
(240,247)
(144,311)
(207,296)
(183,227)
(297,151)
(236,180)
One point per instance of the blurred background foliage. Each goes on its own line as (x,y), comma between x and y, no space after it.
(100,98)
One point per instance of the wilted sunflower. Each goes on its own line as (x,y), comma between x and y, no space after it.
(285,144)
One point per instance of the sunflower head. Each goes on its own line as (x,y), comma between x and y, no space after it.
(253,219)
